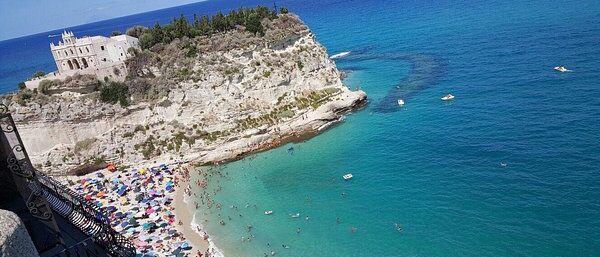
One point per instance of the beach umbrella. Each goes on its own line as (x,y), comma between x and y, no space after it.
(88,197)
(185,245)
(177,252)
(124,224)
(111,208)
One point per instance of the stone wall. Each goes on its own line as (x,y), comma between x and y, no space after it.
(14,239)
(100,72)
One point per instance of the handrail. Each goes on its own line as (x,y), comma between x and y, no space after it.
(86,217)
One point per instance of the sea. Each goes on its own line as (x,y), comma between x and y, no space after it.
(510,167)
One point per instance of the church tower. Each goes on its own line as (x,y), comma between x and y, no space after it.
(68,38)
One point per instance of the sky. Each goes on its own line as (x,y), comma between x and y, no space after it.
(25,17)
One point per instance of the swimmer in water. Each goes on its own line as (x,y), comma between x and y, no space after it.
(298,231)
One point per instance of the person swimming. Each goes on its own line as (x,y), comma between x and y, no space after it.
(285,246)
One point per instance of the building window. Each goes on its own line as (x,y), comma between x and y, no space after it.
(80,51)
(104,59)
(71,51)
(121,54)
(102,48)
(87,49)
(66,54)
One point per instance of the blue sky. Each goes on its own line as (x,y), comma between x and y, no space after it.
(25,17)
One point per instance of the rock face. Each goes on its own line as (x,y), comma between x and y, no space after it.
(207,99)
(14,239)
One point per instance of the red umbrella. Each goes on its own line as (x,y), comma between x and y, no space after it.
(88,197)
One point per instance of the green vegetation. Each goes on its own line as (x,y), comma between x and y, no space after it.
(114,92)
(300,64)
(45,85)
(23,96)
(267,74)
(147,147)
(136,31)
(22,86)
(250,18)
(38,74)
(313,100)
(84,144)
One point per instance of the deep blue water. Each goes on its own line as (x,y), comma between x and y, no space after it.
(432,167)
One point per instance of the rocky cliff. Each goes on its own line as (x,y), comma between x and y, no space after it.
(207,99)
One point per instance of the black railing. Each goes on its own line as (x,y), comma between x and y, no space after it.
(86,217)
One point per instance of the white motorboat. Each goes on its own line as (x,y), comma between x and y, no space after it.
(448,97)
(400,102)
(268,212)
(347,176)
(340,55)
(295,215)
(561,69)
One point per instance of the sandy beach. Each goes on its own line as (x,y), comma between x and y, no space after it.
(185,214)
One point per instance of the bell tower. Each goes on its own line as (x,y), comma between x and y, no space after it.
(68,38)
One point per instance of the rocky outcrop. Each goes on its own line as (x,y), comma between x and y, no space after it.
(208,99)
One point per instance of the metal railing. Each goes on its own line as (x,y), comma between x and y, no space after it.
(86,217)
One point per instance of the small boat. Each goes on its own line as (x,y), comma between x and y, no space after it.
(268,212)
(347,176)
(400,102)
(340,55)
(295,215)
(448,97)
(561,69)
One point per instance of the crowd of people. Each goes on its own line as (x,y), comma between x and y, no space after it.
(139,205)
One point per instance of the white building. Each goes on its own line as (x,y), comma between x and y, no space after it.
(74,53)
(97,55)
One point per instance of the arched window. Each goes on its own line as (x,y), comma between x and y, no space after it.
(71,51)
(66,54)
(87,49)
(80,51)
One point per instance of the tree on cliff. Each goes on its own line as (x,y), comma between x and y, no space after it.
(136,31)
(253,24)
(250,18)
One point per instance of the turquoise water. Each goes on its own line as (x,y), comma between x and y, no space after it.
(432,167)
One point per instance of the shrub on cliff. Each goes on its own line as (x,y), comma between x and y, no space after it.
(114,92)
(136,31)
(45,85)
(38,74)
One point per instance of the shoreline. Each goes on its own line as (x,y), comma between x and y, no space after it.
(185,215)
(303,127)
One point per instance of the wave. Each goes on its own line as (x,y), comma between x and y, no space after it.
(340,55)
(199,229)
